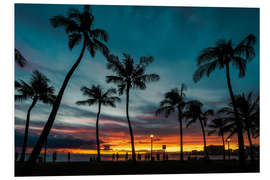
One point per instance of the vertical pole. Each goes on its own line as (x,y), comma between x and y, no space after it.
(151,148)
(229,150)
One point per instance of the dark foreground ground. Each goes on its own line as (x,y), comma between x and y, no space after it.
(121,168)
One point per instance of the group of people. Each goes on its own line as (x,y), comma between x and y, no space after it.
(147,156)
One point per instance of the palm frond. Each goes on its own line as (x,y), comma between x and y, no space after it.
(21,97)
(101,47)
(241,65)
(145,61)
(245,47)
(89,102)
(19,59)
(74,39)
(99,34)
(205,69)
(114,79)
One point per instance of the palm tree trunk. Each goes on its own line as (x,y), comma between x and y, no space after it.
(36,151)
(45,150)
(181,135)
(250,146)
(97,134)
(130,128)
(204,141)
(26,129)
(223,143)
(238,122)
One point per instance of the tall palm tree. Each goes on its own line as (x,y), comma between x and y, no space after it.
(19,59)
(248,108)
(38,89)
(221,56)
(218,126)
(128,75)
(195,113)
(174,100)
(79,28)
(98,96)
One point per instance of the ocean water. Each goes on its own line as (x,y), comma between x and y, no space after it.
(108,157)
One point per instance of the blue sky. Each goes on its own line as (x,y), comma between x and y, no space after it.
(173,35)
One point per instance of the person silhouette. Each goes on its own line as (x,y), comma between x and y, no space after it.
(158,157)
(117,156)
(54,156)
(126,158)
(68,156)
(113,156)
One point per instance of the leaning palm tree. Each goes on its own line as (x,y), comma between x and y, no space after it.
(98,96)
(195,113)
(37,89)
(79,28)
(221,56)
(128,75)
(218,126)
(19,59)
(174,101)
(248,108)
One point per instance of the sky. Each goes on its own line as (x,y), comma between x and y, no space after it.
(174,36)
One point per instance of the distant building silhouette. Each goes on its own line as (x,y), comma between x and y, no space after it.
(214,150)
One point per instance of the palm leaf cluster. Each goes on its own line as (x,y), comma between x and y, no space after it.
(38,88)
(224,53)
(129,75)
(79,26)
(98,96)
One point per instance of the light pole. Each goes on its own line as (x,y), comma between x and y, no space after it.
(229,153)
(151,137)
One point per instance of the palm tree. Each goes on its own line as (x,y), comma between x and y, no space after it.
(79,28)
(248,108)
(218,126)
(221,56)
(19,59)
(128,75)
(174,100)
(100,97)
(194,113)
(38,89)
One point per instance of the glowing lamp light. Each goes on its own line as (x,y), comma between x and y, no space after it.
(151,135)
(228,140)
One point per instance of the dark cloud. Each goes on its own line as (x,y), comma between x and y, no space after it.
(55,141)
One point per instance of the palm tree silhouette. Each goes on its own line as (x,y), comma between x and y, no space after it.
(79,28)
(194,113)
(248,108)
(221,56)
(19,59)
(100,97)
(218,126)
(38,89)
(128,75)
(174,100)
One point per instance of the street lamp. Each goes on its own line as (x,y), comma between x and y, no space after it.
(151,137)
(229,153)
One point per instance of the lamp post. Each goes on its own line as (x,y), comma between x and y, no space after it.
(229,153)
(151,137)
